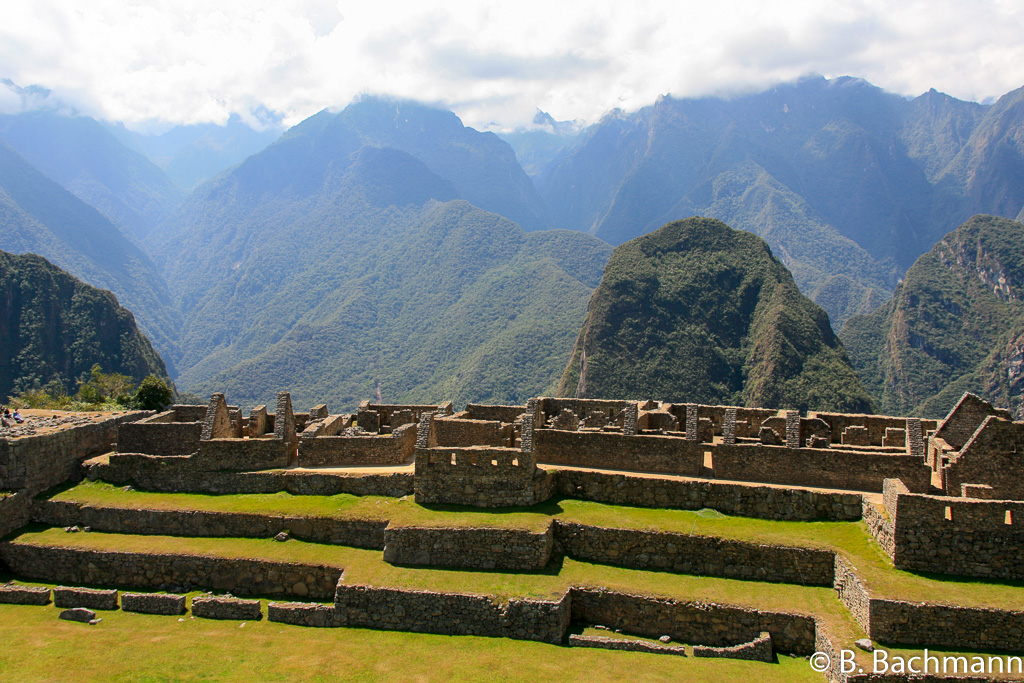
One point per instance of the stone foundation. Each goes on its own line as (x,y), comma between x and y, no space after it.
(64,596)
(606,643)
(24,595)
(226,608)
(153,603)
(757,650)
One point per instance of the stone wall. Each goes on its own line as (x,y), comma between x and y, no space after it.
(355,451)
(757,650)
(896,622)
(965,418)
(880,526)
(826,468)
(396,609)
(476,411)
(875,425)
(151,570)
(226,608)
(177,475)
(153,603)
(15,511)
(351,532)
(481,477)
(625,644)
(64,596)
(692,622)
(695,555)
(598,450)
(38,462)
(469,548)
(851,592)
(963,537)
(747,500)
(24,595)
(993,456)
(158,435)
(242,454)
(456,431)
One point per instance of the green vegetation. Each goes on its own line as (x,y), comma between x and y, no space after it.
(102,391)
(139,647)
(57,330)
(696,311)
(953,325)
(851,539)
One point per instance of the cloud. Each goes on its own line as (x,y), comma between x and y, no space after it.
(495,63)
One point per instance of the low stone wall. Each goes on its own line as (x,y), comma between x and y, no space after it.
(880,527)
(358,451)
(695,555)
(488,548)
(159,438)
(242,454)
(851,592)
(64,596)
(24,595)
(358,533)
(451,613)
(602,450)
(38,462)
(302,614)
(226,608)
(477,411)
(757,650)
(606,643)
(153,603)
(747,500)
(176,475)
(151,570)
(15,511)
(692,622)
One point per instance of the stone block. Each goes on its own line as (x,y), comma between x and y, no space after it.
(153,603)
(226,608)
(85,597)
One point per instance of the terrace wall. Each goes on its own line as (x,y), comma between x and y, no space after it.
(695,555)
(481,477)
(351,532)
(150,570)
(489,548)
(602,450)
(692,622)
(747,500)
(177,475)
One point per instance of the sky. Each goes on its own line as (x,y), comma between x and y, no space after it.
(152,64)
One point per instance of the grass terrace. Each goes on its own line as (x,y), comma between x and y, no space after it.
(851,539)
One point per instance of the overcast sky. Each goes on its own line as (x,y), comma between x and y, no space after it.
(493,63)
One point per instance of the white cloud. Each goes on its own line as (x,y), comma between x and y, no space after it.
(492,62)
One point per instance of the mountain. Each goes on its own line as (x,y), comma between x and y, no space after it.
(697,311)
(955,324)
(848,184)
(539,147)
(53,326)
(86,159)
(39,216)
(346,261)
(190,154)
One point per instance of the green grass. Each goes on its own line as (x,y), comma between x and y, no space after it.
(851,539)
(137,647)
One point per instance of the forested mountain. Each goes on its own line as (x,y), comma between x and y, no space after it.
(190,154)
(955,324)
(697,311)
(847,183)
(341,267)
(39,216)
(53,326)
(86,159)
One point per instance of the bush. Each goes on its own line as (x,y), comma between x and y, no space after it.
(153,394)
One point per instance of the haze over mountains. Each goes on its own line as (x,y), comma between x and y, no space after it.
(386,248)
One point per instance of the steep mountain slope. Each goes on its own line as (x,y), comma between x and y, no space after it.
(87,160)
(847,183)
(37,215)
(955,324)
(53,326)
(343,268)
(697,311)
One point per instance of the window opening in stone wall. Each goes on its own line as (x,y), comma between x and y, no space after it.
(453,458)
(708,461)
(494,461)
(1009,517)
(949,513)
(515,462)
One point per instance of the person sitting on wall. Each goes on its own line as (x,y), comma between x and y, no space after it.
(17,416)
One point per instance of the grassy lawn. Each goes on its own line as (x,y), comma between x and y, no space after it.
(849,538)
(137,647)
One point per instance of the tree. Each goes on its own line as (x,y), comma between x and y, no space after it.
(153,394)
